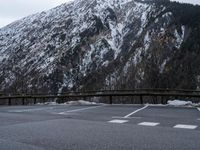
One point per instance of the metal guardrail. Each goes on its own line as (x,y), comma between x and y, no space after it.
(141,93)
(114,91)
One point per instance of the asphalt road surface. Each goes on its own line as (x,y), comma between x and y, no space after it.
(107,127)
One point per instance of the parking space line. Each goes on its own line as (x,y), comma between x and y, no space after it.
(118,121)
(117,117)
(184,126)
(152,124)
(30,110)
(77,110)
(198,109)
(127,116)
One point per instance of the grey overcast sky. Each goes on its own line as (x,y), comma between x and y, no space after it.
(11,10)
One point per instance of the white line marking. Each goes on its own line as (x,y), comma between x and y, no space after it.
(198,119)
(184,126)
(118,121)
(116,117)
(152,124)
(198,109)
(127,116)
(77,110)
(30,110)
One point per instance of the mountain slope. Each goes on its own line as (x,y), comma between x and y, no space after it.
(102,44)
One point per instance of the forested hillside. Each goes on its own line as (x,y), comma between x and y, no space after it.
(102,44)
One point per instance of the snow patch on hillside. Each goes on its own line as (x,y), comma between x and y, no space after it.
(179,37)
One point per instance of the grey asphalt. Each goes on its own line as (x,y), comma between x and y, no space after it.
(88,128)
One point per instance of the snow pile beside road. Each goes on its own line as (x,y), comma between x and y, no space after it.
(182,103)
(179,103)
(158,105)
(80,102)
(48,103)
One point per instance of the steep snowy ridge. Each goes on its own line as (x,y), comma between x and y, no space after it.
(87,44)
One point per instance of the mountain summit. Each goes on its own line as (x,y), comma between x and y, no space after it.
(102,44)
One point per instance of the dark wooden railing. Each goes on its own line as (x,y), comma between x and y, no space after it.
(141,93)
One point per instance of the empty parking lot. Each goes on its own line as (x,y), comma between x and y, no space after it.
(134,127)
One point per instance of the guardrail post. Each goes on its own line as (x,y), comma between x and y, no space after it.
(35,100)
(23,101)
(161,100)
(110,99)
(9,101)
(84,98)
(141,99)
(155,99)
(62,100)
(43,99)
(132,100)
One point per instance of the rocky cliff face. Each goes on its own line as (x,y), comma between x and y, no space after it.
(102,44)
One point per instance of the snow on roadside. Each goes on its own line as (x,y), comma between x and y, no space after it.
(158,105)
(176,103)
(179,103)
(182,103)
(48,103)
(79,102)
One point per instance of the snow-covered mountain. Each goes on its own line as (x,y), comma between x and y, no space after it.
(102,44)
